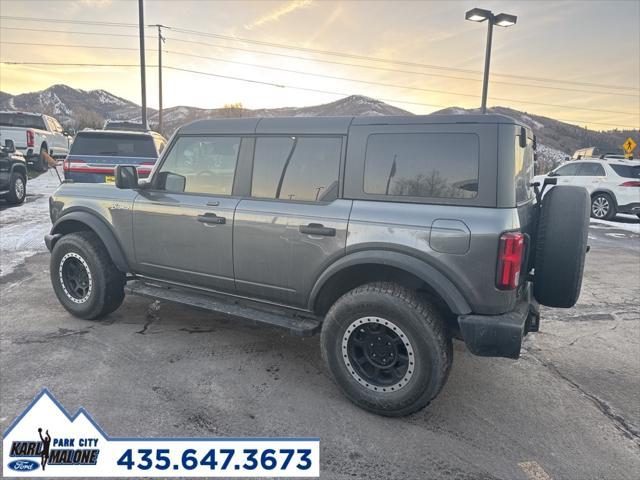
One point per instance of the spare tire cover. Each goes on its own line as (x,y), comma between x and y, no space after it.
(561,246)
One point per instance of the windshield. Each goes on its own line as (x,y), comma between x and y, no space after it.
(116,145)
(627,171)
(22,120)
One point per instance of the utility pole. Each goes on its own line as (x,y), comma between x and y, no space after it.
(161,40)
(143,80)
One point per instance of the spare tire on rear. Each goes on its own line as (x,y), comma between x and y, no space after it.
(561,246)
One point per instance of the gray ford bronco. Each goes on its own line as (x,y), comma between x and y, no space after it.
(388,235)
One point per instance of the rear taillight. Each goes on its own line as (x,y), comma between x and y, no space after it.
(145,167)
(74,165)
(509,260)
(30,139)
(631,183)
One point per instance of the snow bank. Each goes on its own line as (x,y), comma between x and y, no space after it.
(632,224)
(23,227)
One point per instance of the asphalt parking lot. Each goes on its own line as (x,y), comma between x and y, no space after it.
(567,409)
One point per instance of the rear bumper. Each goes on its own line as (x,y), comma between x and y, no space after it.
(630,208)
(500,335)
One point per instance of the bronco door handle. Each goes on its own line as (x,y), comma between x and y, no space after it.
(212,218)
(317,229)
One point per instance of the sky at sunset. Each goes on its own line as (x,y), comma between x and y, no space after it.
(587,52)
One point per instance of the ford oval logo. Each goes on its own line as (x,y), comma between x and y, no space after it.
(23,465)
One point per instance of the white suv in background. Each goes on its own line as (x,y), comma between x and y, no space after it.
(614,185)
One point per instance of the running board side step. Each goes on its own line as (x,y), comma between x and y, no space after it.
(299,325)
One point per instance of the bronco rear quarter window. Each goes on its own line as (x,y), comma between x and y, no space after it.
(430,165)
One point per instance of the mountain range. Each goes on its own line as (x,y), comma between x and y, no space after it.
(81,108)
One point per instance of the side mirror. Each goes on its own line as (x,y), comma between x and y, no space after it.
(70,132)
(522,138)
(552,174)
(9,146)
(171,182)
(126,177)
(535,143)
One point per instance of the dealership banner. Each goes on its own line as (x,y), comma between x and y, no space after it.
(45,441)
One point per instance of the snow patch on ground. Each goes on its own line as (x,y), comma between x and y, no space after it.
(629,225)
(23,227)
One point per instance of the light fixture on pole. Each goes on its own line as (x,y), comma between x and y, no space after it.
(502,20)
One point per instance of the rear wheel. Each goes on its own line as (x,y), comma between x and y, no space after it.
(84,278)
(603,207)
(17,188)
(387,349)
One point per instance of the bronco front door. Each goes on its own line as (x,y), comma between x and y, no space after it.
(183,224)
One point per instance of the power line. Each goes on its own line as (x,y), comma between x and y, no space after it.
(370,67)
(278,85)
(75,22)
(386,99)
(369,82)
(97,47)
(58,64)
(384,60)
(322,52)
(74,32)
(333,77)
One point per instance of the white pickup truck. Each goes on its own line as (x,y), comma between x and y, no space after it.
(33,134)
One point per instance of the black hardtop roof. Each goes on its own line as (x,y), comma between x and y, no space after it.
(323,125)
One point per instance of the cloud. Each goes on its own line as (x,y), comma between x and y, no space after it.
(279,12)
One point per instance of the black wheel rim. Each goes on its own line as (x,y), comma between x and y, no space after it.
(75,277)
(378,354)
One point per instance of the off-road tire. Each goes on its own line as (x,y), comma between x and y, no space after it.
(605,199)
(423,328)
(17,195)
(41,164)
(106,292)
(561,246)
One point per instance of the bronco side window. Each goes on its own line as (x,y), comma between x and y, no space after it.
(296,168)
(437,165)
(204,165)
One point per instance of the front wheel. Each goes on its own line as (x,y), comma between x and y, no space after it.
(387,349)
(17,189)
(84,278)
(603,207)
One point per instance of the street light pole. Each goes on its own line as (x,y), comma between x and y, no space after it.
(143,80)
(502,20)
(487,63)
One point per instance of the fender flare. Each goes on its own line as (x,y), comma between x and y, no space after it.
(430,275)
(19,166)
(100,228)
